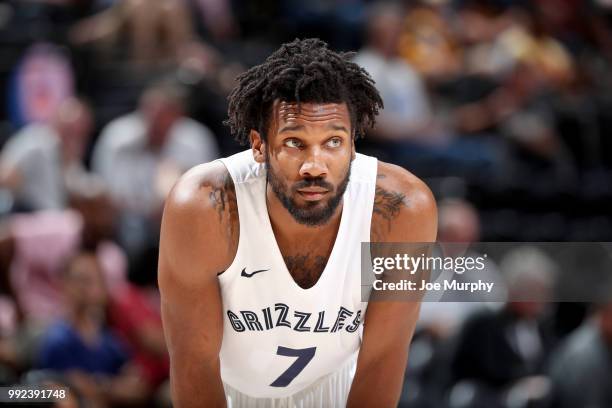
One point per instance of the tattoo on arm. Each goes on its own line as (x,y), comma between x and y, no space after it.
(222,193)
(387,205)
(223,199)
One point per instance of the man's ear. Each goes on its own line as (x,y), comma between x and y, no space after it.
(352,148)
(258,146)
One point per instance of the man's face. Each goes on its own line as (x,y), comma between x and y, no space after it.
(74,125)
(84,284)
(160,115)
(308,158)
(98,216)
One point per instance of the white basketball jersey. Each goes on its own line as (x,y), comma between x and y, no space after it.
(278,338)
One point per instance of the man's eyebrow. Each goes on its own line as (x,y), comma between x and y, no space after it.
(338,128)
(290,128)
(295,127)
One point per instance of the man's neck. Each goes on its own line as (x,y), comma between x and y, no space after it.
(87,323)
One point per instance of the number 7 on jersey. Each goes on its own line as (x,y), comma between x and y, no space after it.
(303,358)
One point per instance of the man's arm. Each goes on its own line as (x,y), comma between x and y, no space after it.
(199,238)
(14,153)
(404,211)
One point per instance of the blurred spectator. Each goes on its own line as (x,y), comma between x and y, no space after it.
(427,374)
(42,80)
(581,369)
(406,132)
(497,349)
(136,320)
(10,314)
(142,154)
(478,29)
(527,41)
(37,162)
(80,345)
(152,32)
(442,314)
(458,229)
(135,317)
(44,240)
(428,41)
(46,379)
(458,222)
(600,12)
(407,113)
(523,59)
(98,214)
(218,18)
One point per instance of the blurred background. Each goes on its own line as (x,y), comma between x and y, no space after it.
(503,107)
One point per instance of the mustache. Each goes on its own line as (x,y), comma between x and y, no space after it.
(313,182)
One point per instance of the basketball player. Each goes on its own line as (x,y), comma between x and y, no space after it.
(260,252)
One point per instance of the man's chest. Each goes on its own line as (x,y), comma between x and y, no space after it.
(305,268)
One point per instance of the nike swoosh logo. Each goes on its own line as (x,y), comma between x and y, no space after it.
(250,275)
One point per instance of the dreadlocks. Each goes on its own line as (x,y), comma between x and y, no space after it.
(302,71)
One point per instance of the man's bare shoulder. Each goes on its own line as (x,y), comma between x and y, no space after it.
(205,189)
(404,207)
(201,216)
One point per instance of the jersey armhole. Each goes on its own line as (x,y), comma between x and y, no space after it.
(228,274)
(372,198)
(372,177)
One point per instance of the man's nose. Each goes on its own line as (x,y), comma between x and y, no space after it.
(313,165)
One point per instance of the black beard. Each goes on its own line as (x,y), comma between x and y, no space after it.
(309,215)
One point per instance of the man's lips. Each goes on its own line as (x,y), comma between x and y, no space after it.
(312,190)
(312,194)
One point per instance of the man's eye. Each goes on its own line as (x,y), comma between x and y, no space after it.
(335,142)
(293,143)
